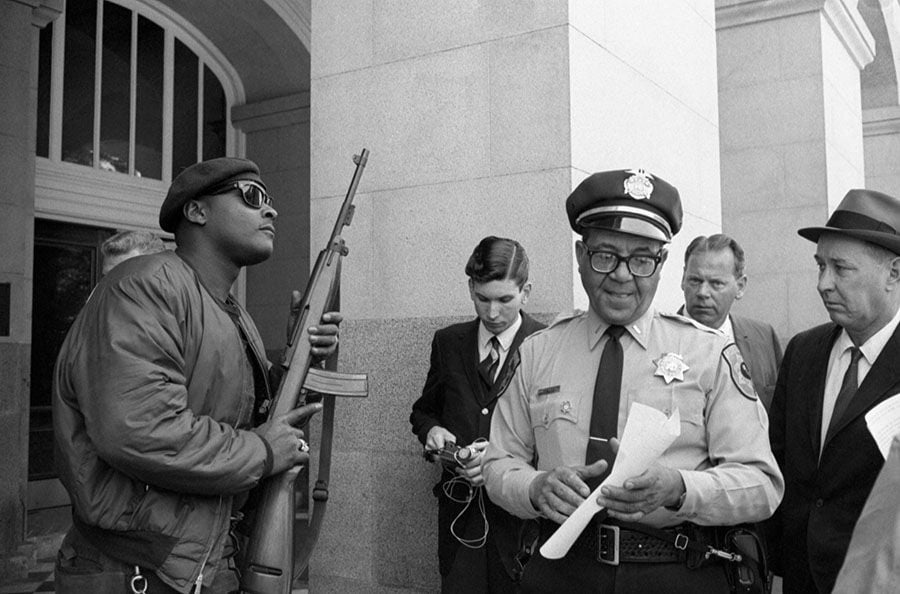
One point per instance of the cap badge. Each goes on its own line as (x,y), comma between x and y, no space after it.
(670,366)
(638,186)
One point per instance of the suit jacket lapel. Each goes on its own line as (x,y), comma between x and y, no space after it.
(752,356)
(814,378)
(740,332)
(529,326)
(742,340)
(882,379)
(468,348)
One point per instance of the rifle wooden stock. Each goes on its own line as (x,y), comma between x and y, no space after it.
(268,563)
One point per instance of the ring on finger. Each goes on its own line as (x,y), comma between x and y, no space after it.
(302,445)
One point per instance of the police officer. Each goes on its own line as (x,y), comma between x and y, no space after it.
(552,441)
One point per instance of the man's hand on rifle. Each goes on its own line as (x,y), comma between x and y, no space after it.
(323,337)
(285,439)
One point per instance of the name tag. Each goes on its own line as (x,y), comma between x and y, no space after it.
(548,390)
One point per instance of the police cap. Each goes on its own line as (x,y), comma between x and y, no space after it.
(629,201)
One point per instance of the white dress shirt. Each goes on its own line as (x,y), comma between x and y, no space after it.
(506,339)
(839,361)
(726,329)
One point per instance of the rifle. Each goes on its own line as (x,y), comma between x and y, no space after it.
(277,549)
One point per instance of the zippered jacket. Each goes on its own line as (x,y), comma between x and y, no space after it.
(152,404)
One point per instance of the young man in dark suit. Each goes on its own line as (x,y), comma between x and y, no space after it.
(713,280)
(471,364)
(832,375)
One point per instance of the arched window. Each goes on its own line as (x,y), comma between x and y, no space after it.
(128,96)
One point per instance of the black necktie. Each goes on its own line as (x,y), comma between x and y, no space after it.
(487,369)
(605,410)
(847,391)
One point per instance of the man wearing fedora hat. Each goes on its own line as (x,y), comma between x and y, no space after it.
(160,394)
(830,377)
(553,434)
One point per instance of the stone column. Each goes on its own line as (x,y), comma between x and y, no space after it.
(791,140)
(20,23)
(464,107)
(480,117)
(881,128)
(277,139)
(643,94)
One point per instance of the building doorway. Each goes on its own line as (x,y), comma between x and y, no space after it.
(66,269)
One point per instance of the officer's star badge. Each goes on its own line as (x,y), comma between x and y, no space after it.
(670,366)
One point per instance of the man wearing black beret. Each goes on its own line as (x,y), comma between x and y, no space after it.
(160,394)
(553,434)
(831,377)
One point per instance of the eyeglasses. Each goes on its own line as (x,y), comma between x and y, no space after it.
(637,264)
(254,195)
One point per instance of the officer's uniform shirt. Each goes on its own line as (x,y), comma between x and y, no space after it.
(723,453)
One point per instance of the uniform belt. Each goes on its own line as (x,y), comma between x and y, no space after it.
(620,542)
(621,545)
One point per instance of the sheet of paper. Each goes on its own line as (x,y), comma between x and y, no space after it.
(648,432)
(884,422)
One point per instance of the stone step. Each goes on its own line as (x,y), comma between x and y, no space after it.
(47,544)
(17,565)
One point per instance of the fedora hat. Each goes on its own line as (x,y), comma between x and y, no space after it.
(865,215)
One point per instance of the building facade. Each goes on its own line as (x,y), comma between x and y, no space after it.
(480,118)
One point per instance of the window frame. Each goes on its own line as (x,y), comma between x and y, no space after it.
(77,193)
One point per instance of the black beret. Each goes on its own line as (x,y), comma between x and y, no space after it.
(199,179)
(866,215)
(629,201)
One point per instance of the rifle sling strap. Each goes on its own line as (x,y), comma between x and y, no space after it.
(306,535)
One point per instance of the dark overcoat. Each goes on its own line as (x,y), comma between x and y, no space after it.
(810,532)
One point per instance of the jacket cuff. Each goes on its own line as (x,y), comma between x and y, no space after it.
(423,432)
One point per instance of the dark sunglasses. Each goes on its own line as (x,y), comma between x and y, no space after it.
(254,195)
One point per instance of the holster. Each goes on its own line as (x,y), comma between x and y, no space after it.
(529,535)
(750,575)
(740,548)
(700,535)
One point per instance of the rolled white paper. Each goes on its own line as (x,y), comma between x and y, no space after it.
(648,433)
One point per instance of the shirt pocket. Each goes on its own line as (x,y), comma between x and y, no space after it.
(548,411)
(668,397)
(554,422)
